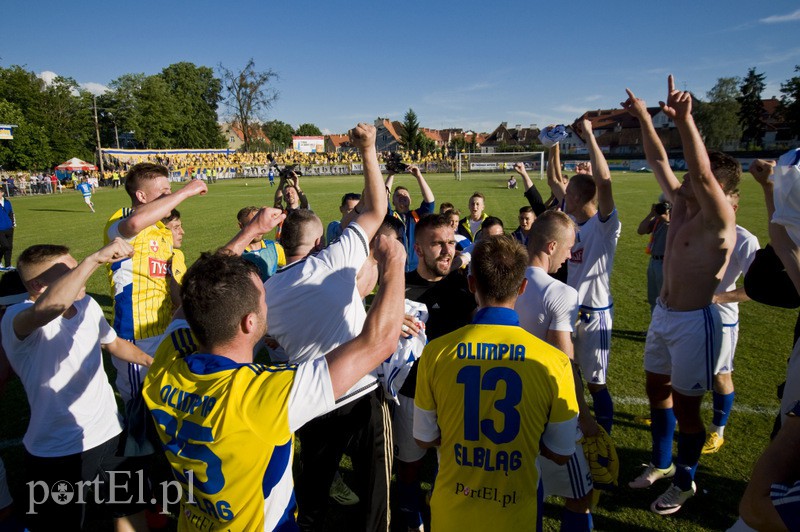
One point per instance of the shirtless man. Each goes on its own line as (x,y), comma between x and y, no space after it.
(683,340)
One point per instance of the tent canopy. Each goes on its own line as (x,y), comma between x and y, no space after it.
(75,165)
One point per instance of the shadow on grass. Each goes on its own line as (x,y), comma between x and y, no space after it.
(59,210)
(636,336)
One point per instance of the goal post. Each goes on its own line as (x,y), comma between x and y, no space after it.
(501,162)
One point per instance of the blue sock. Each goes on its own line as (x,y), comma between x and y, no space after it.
(575,522)
(722,408)
(603,409)
(662,431)
(689,447)
(409,495)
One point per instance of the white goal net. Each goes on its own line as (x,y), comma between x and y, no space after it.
(501,162)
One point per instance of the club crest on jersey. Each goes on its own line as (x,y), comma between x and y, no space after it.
(577,256)
(158,268)
(154,246)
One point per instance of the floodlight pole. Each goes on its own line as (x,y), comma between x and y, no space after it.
(97,133)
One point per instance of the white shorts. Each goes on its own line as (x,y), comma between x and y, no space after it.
(131,376)
(572,480)
(730,337)
(405,447)
(684,345)
(88,200)
(593,341)
(791,392)
(5,494)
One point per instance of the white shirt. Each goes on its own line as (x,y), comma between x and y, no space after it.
(589,269)
(313,305)
(744,252)
(546,305)
(61,368)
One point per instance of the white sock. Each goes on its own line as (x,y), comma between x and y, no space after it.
(719,430)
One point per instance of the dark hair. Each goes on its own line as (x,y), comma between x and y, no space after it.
(395,225)
(498,266)
(172,216)
(140,173)
(585,186)
(350,196)
(526,208)
(490,221)
(39,253)
(727,170)
(478,195)
(431,221)
(451,212)
(446,206)
(217,292)
(294,227)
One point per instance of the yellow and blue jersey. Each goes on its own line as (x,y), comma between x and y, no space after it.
(225,430)
(493,389)
(177,266)
(142,303)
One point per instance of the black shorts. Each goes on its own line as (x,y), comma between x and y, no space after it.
(62,491)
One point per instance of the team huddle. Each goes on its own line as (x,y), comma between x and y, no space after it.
(476,343)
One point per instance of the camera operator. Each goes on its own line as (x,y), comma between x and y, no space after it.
(655,224)
(289,196)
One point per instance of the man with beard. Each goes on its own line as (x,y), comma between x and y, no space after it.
(450,307)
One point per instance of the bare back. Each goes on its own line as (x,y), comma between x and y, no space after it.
(696,256)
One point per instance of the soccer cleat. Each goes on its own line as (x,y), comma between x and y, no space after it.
(713,443)
(650,475)
(341,493)
(671,500)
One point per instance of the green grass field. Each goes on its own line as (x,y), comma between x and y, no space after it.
(764,342)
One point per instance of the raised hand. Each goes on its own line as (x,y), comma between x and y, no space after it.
(363,136)
(388,251)
(195,187)
(520,168)
(583,128)
(584,168)
(679,103)
(266,219)
(415,171)
(114,251)
(761,170)
(636,107)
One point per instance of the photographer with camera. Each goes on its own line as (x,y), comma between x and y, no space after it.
(289,196)
(655,224)
(401,201)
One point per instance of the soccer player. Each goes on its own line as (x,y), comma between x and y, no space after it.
(548,309)
(727,298)
(683,339)
(227,424)
(267,255)
(53,342)
(176,266)
(450,306)
(295,295)
(588,200)
(401,202)
(8,222)
(85,188)
(492,397)
(142,300)
(469,226)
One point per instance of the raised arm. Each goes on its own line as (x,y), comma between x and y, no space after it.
(373,204)
(554,178)
(530,191)
(61,293)
(149,213)
(389,182)
(600,172)
(378,339)
(262,223)
(646,225)
(716,209)
(427,193)
(653,149)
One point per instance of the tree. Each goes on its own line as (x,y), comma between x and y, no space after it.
(155,118)
(249,95)
(751,108)
(410,136)
(308,130)
(279,134)
(718,118)
(197,93)
(29,149)
(66,116)
(790,102)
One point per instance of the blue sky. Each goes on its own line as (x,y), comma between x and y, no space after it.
(461,64)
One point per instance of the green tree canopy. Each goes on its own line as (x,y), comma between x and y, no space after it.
(279,134)
(790,102)
(718,117)
(751,108)
(197,92)
(308,130)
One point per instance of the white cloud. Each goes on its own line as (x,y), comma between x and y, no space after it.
(326,131)
(570,109)
(593,98)
(776,19)
(94,88)
(48,76)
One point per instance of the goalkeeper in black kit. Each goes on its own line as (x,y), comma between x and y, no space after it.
(548,309)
